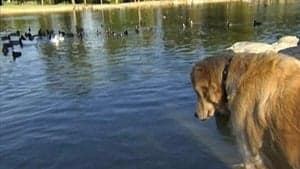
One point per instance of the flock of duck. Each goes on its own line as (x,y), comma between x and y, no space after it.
(13,43)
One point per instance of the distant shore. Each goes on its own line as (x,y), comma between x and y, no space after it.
(29,8)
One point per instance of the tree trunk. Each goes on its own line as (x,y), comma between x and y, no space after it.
(73,3)
(84,2)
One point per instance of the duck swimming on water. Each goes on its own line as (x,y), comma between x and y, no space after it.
(16,52)
(256,23)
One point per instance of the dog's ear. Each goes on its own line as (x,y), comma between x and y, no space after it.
(192,75)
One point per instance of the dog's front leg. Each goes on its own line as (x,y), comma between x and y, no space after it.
(250,155)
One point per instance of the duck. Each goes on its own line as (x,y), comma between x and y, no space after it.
(16,52)
(98,32)
(188,22)
(57,38)
(14,39)
(7,45)
(28,34)
(27,42)
(183,26)
(137,31)
(79,31)
(256,23)
(228,24)
(191,23)
(5,50)
(126,32)
(5,39)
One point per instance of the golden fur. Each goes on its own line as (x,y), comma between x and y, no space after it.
(263,99)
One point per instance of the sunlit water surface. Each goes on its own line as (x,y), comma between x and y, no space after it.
(123,103)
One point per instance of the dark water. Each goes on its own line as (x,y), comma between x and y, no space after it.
(123,103)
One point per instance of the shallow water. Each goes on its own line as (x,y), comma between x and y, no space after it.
(123,103)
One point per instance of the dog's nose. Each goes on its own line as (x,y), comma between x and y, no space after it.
(196,115)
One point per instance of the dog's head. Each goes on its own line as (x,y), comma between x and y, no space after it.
(206,77)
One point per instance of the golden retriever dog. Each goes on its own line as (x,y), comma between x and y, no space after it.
(261,94)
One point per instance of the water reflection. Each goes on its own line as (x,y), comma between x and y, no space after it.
(224,126)
(208,20)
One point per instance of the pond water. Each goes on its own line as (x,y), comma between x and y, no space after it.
(123,103)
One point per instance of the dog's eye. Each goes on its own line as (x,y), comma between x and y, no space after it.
(207,95)
(202,92)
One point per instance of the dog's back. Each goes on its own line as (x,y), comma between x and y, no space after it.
(272,84)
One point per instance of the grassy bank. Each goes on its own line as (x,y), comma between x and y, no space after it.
(32,8)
